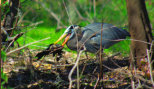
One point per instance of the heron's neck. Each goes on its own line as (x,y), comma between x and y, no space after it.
(72,42)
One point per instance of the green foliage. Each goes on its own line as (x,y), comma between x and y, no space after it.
(122,47)
(3,55)
(4,8)
(37,34)
(107,11)
(150,9)
(3,75)
(5,2)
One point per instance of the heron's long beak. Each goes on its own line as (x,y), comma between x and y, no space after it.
(63,36)
(66,39)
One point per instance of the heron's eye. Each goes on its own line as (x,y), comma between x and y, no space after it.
(70,31)
(72,27)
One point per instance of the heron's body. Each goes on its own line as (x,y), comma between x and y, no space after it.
(90,36)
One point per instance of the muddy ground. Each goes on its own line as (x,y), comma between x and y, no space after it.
(25,72)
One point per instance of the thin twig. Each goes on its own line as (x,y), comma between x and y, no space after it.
(26,46)
(131,40)
(33,24)
(132,68)
(94,7)
(14,39)
(72,70)
(67,13)
(79,14)
(52,13)
(78,77)
(100,55)
(150,67)
(21,18)
(97,82)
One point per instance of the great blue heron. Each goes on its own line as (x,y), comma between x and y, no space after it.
(90,37)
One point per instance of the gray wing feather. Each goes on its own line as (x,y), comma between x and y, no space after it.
(110,33)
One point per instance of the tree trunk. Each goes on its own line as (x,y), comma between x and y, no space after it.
(140,29)
(10,19)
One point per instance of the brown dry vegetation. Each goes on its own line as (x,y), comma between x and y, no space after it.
(48,73)
(24,71)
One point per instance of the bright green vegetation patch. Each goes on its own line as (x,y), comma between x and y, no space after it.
(39,33)
(122,47)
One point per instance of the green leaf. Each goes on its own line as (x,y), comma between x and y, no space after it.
(4,76)
(5,2)
(3,55)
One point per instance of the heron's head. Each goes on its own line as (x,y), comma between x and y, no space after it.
(69,32)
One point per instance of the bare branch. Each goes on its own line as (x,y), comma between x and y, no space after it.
(26,46)
(14,39)
(150,66)
(51,12)
(72,70)
(67,13)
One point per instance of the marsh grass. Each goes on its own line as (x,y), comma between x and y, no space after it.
(40,33)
